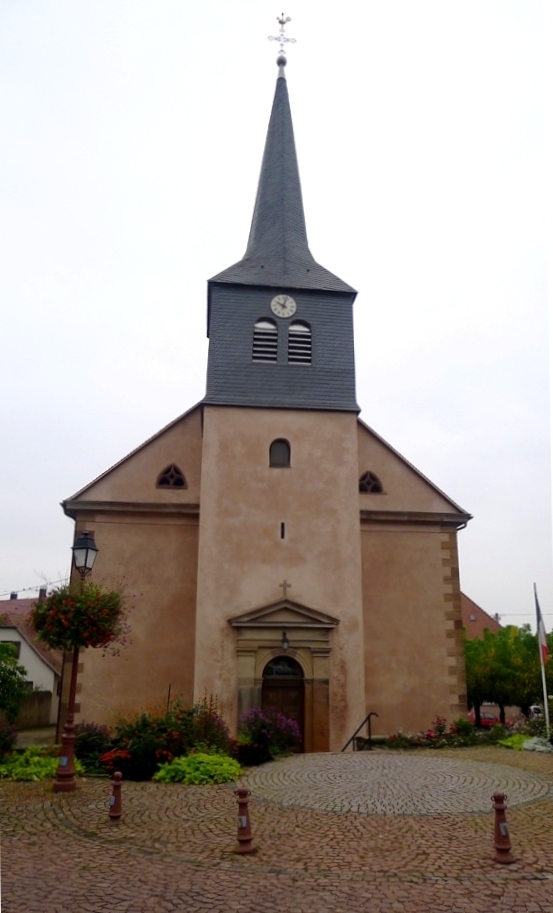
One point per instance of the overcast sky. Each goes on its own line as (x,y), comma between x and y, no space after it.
(132,139)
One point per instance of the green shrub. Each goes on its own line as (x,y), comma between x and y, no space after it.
(399,740)
(494,734)
(153,737)
(8,737)
(35,763)
(199,769)
(209,727)
(514,741)
(464,727)
(535,727)
(13,689)
(142,742)
(92,740)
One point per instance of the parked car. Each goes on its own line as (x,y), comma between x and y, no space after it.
(536,713)
(486,718)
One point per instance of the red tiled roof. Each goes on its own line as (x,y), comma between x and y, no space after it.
(16,606)
(476,620)
(16,615)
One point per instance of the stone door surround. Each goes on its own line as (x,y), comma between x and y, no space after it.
(295,630)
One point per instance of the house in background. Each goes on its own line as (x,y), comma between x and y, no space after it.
(476,620)
(43,665)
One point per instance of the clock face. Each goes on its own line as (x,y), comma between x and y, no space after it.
(283,306)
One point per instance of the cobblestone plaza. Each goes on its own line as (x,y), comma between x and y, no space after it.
(376,831)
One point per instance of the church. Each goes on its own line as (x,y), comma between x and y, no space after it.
(284,556)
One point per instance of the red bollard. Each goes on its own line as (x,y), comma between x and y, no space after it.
(244,829)
(115,805)
(501,838)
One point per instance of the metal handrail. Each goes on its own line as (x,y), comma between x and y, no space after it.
(367,720)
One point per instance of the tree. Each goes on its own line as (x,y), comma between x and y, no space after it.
(12,682)
(478,667)
(526,685)
(504,668)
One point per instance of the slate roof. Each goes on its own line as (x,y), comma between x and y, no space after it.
(277,253)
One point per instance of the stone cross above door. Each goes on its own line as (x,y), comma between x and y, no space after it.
(285,586)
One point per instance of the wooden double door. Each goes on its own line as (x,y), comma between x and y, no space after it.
(283,691)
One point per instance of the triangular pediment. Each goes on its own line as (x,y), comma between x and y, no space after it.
(284,613)
(404,489)
(133,480)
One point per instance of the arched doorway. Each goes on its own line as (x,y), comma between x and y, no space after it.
(283,690)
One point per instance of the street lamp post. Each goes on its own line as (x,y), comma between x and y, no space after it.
(84,556)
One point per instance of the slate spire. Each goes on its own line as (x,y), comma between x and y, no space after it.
(278,253)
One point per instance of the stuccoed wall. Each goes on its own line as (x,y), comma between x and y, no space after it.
(414,660)
(242,559)
(157,559)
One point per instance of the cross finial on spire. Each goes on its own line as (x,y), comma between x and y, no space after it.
(283,39)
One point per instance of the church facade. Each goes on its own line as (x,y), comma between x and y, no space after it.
(284,555)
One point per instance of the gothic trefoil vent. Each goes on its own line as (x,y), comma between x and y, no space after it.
(299,343)
(370,484)
(171,477)
(265,341)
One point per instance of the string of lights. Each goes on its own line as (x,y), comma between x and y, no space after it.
(37,586)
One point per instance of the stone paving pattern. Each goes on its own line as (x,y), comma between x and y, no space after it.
(172,850)
(376,784)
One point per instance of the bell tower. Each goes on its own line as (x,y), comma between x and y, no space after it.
(279,485)
(280,326)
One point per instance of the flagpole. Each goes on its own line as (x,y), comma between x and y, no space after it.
(545,703)
(542,647)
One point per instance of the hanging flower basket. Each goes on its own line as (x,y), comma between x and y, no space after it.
(93,617)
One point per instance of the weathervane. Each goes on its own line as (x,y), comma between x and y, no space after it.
(281,37)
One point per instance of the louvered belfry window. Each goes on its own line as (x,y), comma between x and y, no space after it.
(265,341)
(299,343)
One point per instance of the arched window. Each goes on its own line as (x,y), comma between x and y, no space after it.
(282,666)
(279,453)
(299,343)
(370,484)
(265,341)
(171,477)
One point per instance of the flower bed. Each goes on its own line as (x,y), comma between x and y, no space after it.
(262,736)
(439,735)
(141,743)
